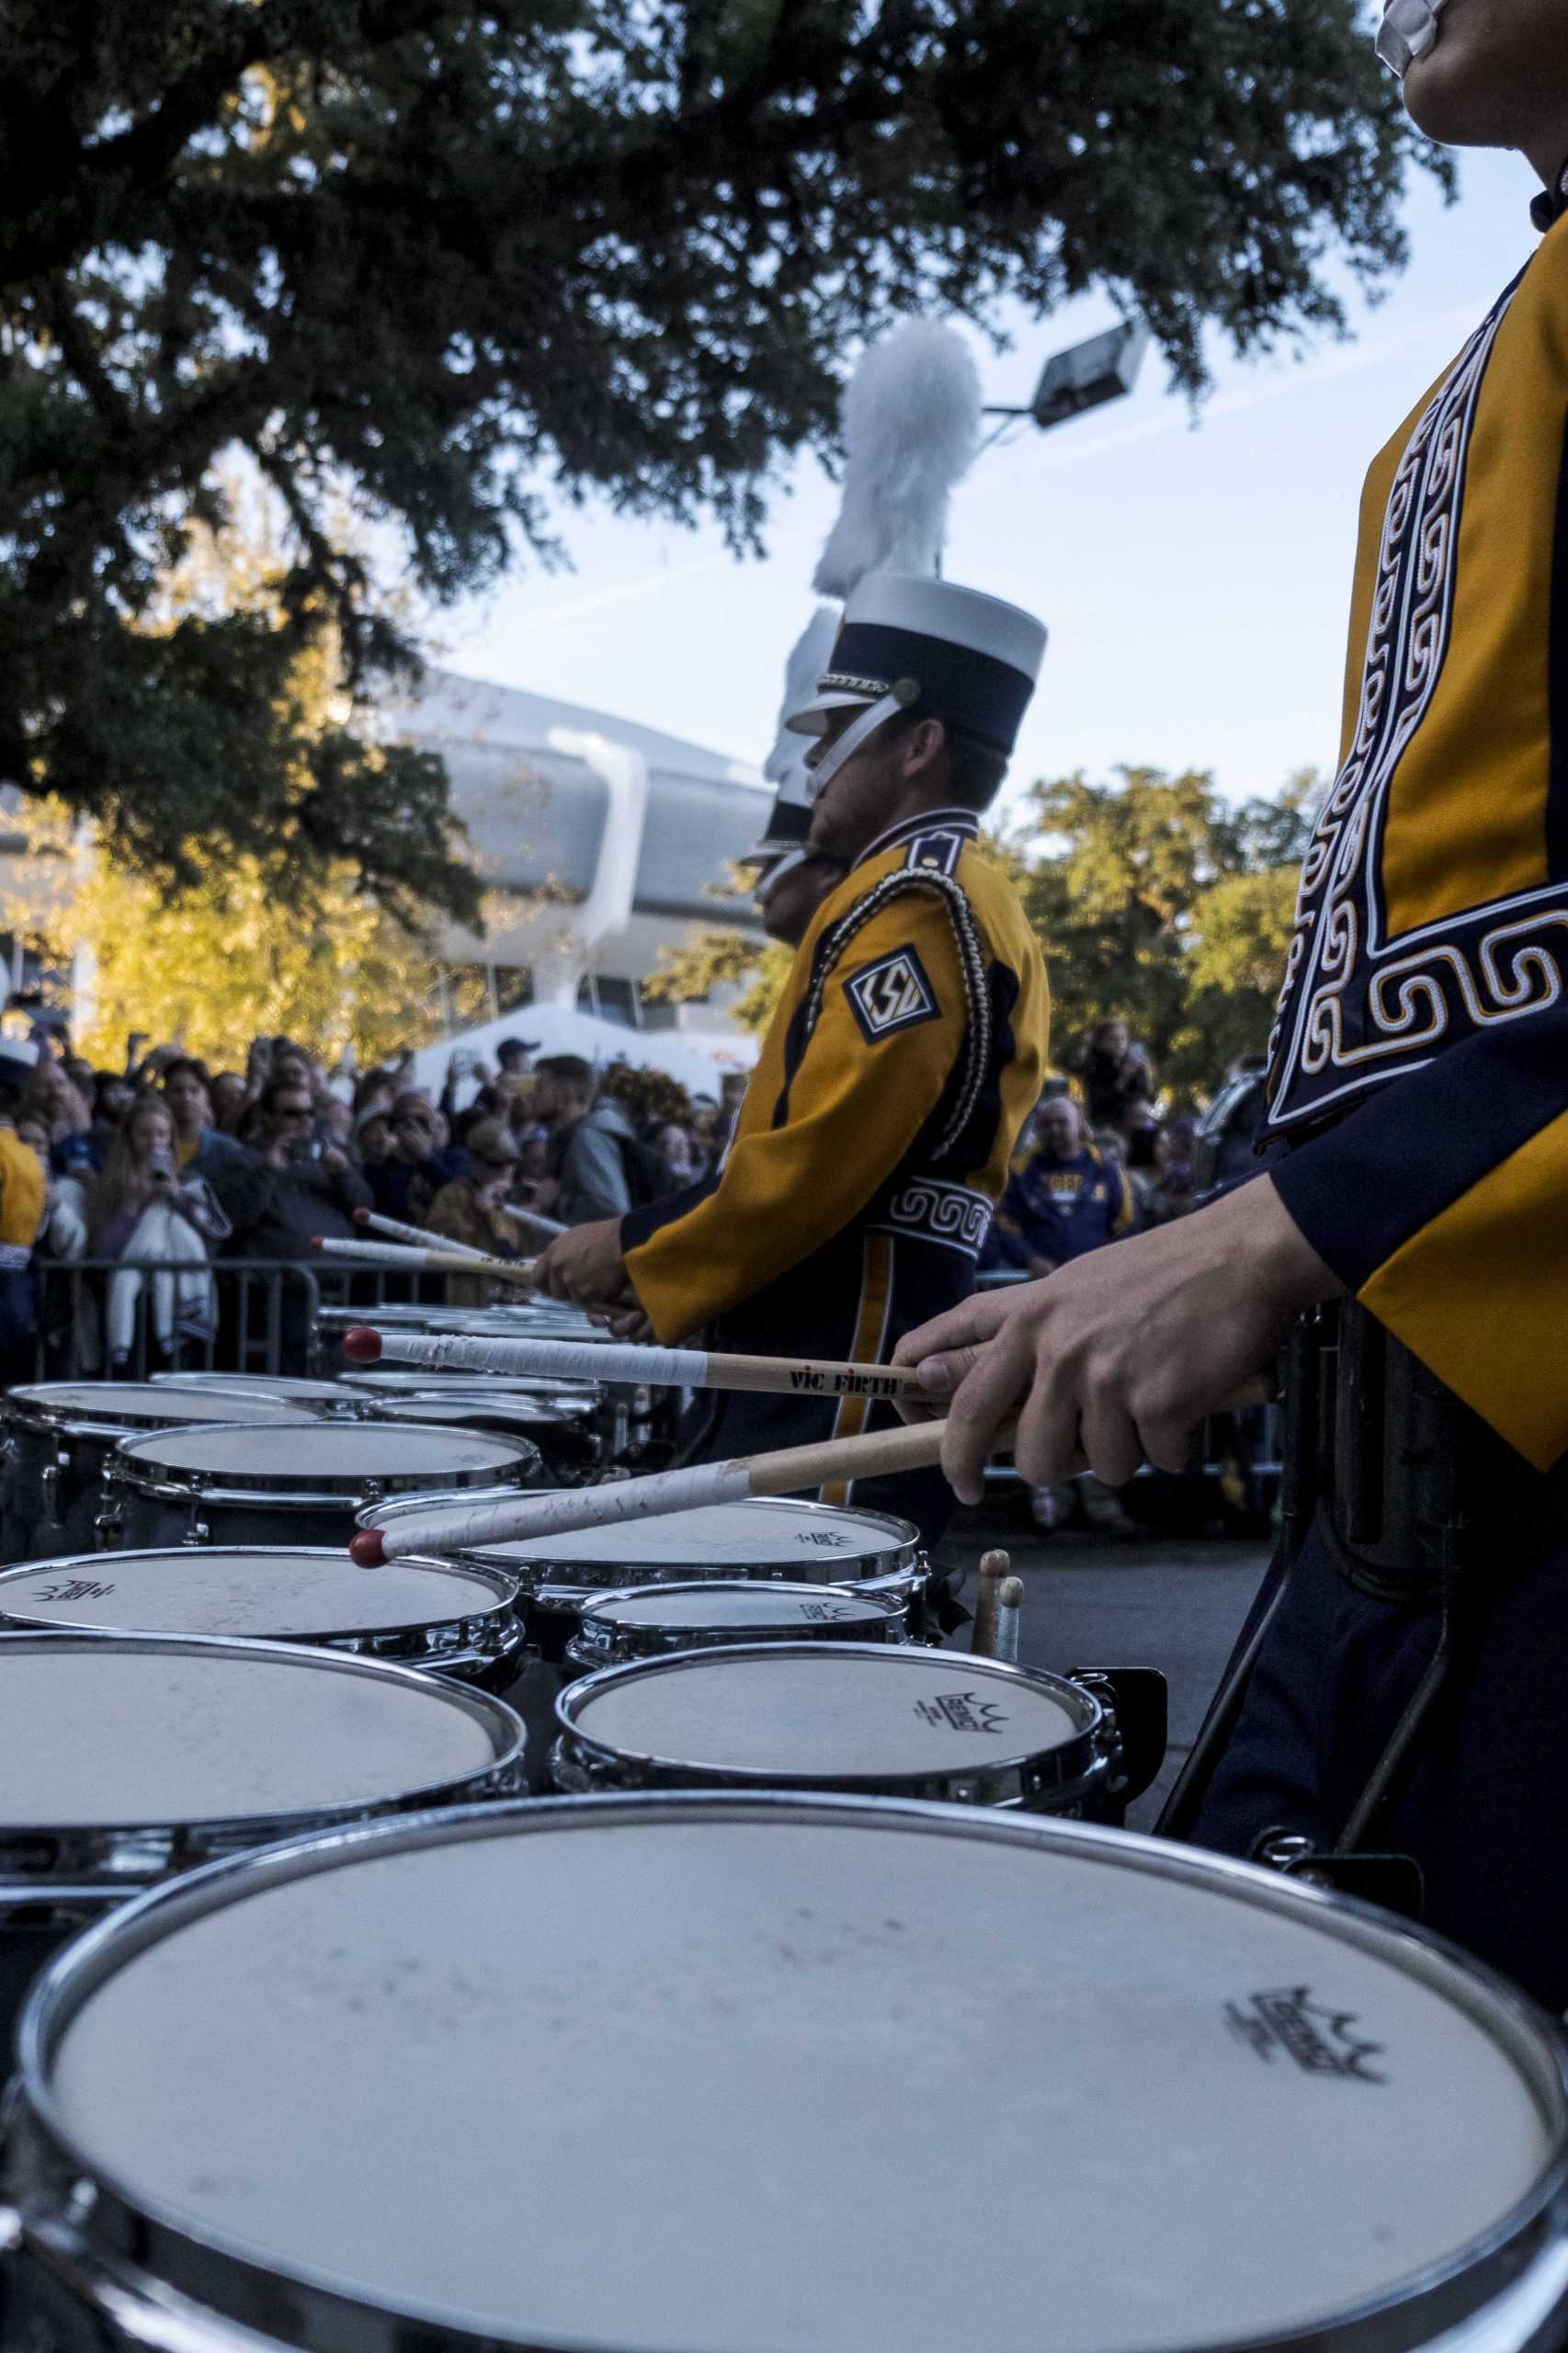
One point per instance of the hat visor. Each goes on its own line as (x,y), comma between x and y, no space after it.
(813,719)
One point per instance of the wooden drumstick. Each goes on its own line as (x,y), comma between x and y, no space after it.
(994,1567)
(792,1471)
(1009,1619)
(427,1262)
(660,1368)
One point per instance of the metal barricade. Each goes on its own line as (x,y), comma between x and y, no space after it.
(256,1315)
(264,1315)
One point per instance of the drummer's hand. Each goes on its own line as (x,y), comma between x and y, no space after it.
(1119,1355)
(626,1322)
(584,1265)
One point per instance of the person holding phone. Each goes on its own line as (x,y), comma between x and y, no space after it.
(139,1214)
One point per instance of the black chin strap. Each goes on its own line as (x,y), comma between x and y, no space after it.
(1552,202)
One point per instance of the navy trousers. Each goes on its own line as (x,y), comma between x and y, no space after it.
(1482,1803)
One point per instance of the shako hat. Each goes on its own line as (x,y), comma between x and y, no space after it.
(933,649)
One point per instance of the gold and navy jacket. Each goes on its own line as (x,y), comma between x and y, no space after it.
(1421,1053)
(875,1135)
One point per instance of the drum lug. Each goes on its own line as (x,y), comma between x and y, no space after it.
(1392,1881)
(1136,1701)
(197,1532)
(374,1491)
(107,1525)
(50,1481)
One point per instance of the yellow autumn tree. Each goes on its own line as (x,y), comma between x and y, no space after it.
(287,942)
(246,951)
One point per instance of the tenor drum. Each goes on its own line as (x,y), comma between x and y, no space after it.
(541,1319)
(741,2045)
(290,1482)
(767,1538)
(871,1720)
(125,1758)
(431,1614)
(560,1423)
(651,1621)
(293,1390)
(59,1435)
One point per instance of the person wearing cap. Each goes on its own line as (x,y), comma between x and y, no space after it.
(902,1060)
(24,1193)
(471,1208)
(1398,1690)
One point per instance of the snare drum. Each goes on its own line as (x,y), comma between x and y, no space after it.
(124,1758)
(289,1481)
(744,2046)
(59,1435)
(430,1614)
(874,1720)
(767,1538)
(651,1621)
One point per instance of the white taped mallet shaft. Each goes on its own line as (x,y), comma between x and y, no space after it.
(523,1518)
(660,1368)
(429,1262)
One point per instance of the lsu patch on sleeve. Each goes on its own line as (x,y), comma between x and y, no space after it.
(892,993)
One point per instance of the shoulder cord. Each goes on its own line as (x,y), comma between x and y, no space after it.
(972,965)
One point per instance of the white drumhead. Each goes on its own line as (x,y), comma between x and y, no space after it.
(795,1537)
(146,1401)
(259,1593)
(805,2086)
(332,1449)
(762,1605)
(293,1388)
(824,1713)
(430,1383)
(101,1736)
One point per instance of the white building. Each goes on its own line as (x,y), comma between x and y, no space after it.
(602,841)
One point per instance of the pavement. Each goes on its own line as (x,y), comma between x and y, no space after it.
(1174,1602)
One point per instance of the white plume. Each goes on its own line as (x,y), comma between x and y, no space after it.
(911,429)
(812,651)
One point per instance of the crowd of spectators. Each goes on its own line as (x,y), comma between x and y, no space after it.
(154,1174)
(173,1167)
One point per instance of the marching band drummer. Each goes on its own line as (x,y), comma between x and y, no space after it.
(1400,1690)
(901,1064)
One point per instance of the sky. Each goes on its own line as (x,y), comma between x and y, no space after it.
(1193,572)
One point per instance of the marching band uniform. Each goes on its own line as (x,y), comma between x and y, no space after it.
(1419,1105)
(900,1065)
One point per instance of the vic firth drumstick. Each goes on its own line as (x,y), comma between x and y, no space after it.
(794,1470)
(662,1368)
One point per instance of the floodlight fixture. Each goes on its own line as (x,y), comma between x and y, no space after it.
(1085,376)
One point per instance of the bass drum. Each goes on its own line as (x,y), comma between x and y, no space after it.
(126,1758)
(290,1482)
(59,1435)
(740,2043)
(429,1614)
